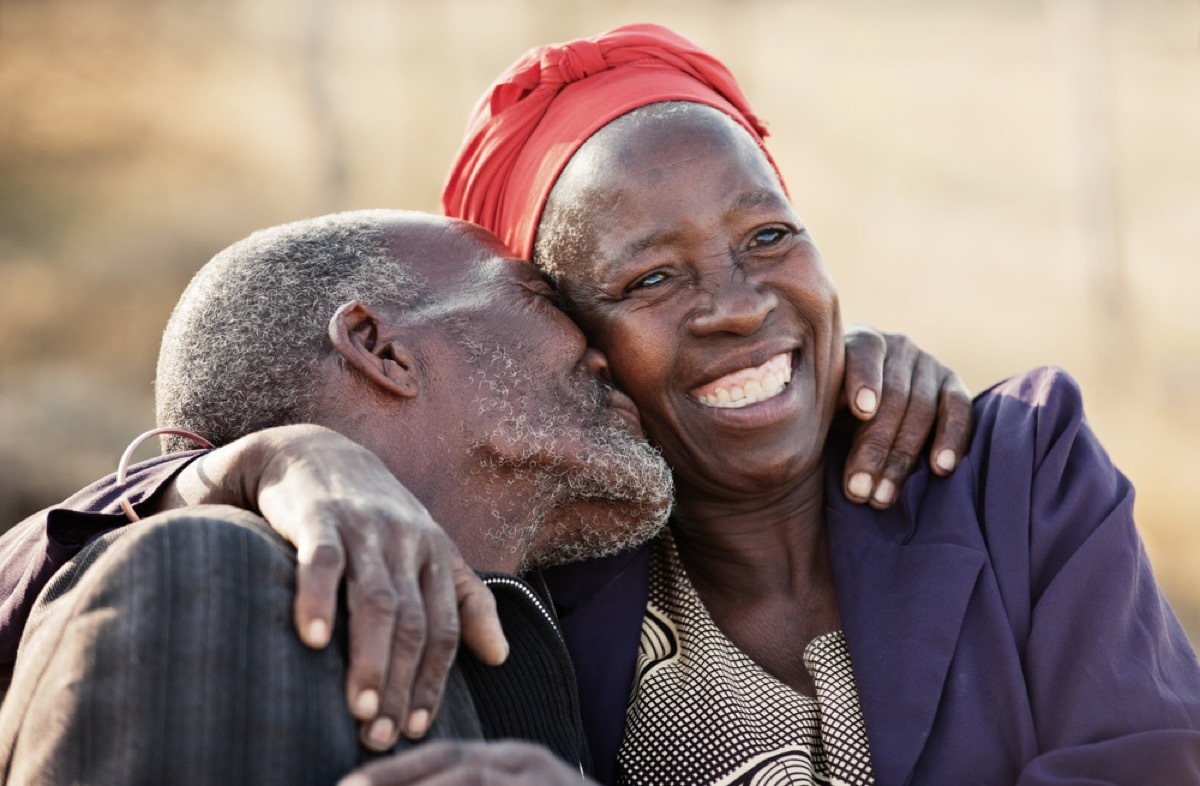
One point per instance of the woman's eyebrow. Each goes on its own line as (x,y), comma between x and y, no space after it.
(756,198)
(640,245)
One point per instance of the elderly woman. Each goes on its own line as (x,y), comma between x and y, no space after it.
(1000,625)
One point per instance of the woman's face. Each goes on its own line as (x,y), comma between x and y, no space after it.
(685,262)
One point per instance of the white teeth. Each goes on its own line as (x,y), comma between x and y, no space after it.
(776,373)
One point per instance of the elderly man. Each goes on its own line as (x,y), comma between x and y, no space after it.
(162,653)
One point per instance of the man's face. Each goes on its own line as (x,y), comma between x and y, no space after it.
(536,412)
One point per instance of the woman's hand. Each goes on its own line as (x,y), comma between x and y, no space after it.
(919,396)
(468,764)
(407,587)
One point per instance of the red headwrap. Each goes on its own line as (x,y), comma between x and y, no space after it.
(529,123)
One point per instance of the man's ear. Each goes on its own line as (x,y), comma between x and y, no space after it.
(371,347)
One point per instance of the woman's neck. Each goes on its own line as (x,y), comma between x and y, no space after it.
(753,547)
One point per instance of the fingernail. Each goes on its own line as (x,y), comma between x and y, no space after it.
(355,780)
(866,400)
(367,704)
(418,724)
(316,634)
(946,460)
(860,485)
(381,731)
(884,492)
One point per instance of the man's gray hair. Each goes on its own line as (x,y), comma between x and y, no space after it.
(242,349)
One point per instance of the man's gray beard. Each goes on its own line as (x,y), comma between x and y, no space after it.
(595,487)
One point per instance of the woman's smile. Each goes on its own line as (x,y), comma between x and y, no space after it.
(747,386)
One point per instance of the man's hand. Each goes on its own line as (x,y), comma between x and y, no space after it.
(407,587)
(469,764)
(918,394)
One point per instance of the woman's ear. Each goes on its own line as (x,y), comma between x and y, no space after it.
(374,349)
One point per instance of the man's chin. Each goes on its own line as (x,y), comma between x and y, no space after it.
(578,544)
(593,527)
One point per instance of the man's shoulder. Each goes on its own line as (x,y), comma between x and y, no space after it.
(1045,400)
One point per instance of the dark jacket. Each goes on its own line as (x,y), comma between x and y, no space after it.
(1004,624)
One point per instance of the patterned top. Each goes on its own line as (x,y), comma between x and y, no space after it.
(702,712)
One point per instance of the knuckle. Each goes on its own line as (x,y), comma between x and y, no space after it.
(379,599)
(444,636)
(956,420)
(476,601)
(900,461)
(870,451)
(410,628)
(902,342)
(957,399)
(328,557)
(865,339)
(897,378)
(395,699)
(925,380)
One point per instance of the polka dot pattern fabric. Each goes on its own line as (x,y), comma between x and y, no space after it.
(702,712)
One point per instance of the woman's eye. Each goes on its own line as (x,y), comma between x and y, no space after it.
(648,280)
(766,237)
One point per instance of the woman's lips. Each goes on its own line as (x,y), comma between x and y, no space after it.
(747,386)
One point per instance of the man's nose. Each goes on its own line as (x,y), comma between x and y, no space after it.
(597,363)
(737,305)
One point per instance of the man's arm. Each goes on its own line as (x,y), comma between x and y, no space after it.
(346,514)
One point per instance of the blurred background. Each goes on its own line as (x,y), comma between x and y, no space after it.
(1011,182)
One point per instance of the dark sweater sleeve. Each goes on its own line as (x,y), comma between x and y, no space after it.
(33,551)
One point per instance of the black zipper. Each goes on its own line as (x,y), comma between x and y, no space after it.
(527,591)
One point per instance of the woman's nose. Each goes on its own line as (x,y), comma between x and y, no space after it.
(597,363)
(737,305)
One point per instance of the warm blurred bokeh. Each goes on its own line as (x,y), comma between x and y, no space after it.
(1011,182)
